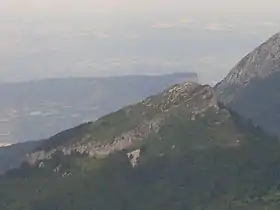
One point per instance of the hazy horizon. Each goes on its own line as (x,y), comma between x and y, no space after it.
(43,39)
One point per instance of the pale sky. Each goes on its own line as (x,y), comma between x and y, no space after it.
(69,6)
(60,38)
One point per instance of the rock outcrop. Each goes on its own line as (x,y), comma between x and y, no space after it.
(145,119)
(252,87)
(257,65)
(134,157)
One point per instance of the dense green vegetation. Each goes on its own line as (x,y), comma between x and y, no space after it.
(11,156)
(187,165)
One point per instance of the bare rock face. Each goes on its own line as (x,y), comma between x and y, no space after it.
(102,148)
(35,157)
(257,65)
(134,157)
(252,87)
(146,117)
(192,96)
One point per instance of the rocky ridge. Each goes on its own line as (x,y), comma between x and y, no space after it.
(252,87)
(191,98)
(257,65)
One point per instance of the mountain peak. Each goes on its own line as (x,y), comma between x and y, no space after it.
(257,65)
(191,95)
(252,86)
(139,121)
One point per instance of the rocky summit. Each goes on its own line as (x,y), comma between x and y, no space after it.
(252,87)
(138,122)
(257,65)
(39,109)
